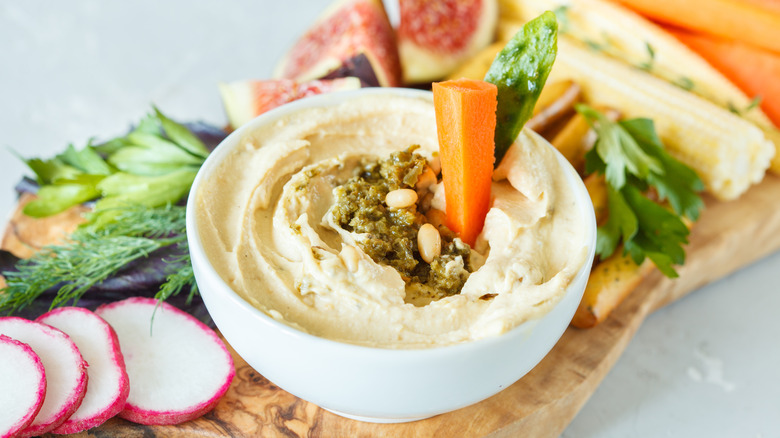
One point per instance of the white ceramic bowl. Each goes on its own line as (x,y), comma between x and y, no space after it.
(376,384)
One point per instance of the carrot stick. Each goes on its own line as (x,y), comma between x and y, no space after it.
(755,71)
(466,123)
(749,22)
(772,5)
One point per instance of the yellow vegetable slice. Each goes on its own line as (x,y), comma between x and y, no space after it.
(618,32)
(728,152)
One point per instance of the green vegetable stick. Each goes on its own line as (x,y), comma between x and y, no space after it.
(182,136)
(520,71)
(56,198)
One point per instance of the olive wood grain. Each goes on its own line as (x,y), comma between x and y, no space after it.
(727,237)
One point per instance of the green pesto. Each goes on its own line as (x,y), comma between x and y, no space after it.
(389,236)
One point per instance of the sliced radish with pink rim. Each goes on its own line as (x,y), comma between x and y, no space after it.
(66,371)
(108,382)
(178,367)
(22,385)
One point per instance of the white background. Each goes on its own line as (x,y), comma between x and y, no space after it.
(707,365)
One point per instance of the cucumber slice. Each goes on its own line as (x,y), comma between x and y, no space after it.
(520,71)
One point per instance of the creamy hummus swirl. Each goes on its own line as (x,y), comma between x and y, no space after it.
(264,223)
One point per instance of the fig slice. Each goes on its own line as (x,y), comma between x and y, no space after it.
(245,100)
(340,35)
(359,67)
(435,38)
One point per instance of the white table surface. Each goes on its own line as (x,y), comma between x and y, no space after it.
(707,365)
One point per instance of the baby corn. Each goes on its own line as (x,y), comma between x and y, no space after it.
(615,31)
(728,152)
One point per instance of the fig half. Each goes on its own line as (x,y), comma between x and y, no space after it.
(436,37)
(245,100)
(350,38)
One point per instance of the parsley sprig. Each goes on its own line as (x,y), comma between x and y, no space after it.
(633,160)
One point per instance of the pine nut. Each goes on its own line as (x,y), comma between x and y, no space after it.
(428,242)
(350,257)
(401,198)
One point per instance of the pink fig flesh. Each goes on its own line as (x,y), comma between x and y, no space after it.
(347,29)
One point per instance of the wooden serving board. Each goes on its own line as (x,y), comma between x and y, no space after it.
(727,237)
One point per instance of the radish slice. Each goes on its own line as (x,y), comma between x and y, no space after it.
(178,367)
(66,371)
(22,385)
(108,382)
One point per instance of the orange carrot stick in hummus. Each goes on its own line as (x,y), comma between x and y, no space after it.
(466,122)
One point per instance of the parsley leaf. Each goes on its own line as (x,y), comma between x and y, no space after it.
(621,226)
(679,184)
(660,234)
(632,158)
(617,147)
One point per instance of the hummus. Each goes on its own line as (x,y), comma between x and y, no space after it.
(264,223)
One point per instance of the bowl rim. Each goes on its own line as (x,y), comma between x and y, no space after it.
(233,140)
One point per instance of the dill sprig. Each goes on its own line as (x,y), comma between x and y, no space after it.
(96,252)
(179,280)
(136,220)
